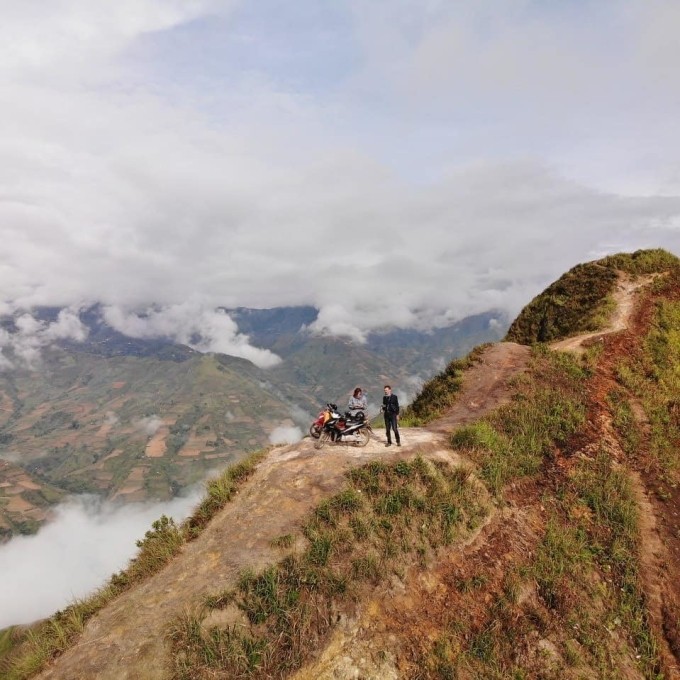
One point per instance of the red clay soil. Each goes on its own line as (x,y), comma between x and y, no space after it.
(659,519)
(659,501)
(486,385)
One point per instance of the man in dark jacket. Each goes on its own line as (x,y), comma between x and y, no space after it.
(390,408)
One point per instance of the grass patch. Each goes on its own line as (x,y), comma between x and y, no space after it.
(642,262)
(284,542)
(588,611)
(50,638)
(548,407)
(588,608)
(624,422)
(613,534)
(440,392)
(388,516)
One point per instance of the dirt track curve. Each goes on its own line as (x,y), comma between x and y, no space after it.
(126,640)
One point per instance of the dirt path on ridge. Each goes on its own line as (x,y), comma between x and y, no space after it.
(127,639)
(624,297)
(486,385)
(654,555)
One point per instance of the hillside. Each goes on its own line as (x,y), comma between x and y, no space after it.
(528,528)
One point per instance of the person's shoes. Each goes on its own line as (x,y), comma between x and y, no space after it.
(398,443)
(388,444)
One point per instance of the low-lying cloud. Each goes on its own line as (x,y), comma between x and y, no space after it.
(21,347)
(205,330)
(148,425)
(285,434)
(74,554)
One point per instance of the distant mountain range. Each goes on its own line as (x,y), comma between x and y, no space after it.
(141,419)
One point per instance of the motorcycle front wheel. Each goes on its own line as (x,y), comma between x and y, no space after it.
(321,441)
(363,436)
(314,431)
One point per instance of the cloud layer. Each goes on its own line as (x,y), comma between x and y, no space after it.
(75,554)
(22,346)
(207,154)
(285,434)
(206,330)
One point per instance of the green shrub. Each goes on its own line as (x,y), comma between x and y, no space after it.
(575,303)
(642,262)
(580,301)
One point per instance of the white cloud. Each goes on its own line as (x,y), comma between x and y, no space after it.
(149,424)
(68,326)
(452,159)
(206,330)
(76,36)
(285,434)
(32,335)
(85,544)
(299,415)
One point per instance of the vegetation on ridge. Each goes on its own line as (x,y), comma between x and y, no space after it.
(581,584)
(548,407)
(652,374)
(439,393)
(580,301)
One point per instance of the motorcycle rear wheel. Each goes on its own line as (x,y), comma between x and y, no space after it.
(321,441)
(364,436)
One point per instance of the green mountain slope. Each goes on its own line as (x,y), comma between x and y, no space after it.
(127,428)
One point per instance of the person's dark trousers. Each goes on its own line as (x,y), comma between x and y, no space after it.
(391,422)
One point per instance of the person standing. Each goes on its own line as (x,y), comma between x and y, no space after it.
(357,402)
(390,409)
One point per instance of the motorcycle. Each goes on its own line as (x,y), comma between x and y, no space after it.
(324,415)
(343,429)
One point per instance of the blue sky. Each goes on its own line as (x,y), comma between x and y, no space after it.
(205,153)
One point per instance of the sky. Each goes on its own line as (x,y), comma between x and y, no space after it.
(399,163)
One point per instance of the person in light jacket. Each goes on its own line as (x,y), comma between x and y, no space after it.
(357,402)
(390,409)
